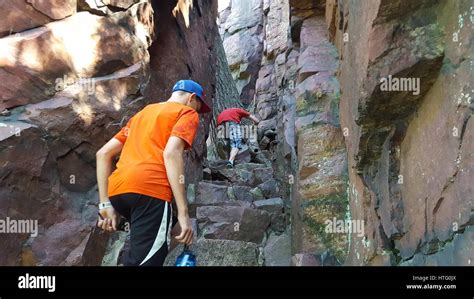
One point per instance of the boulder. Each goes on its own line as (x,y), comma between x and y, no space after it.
(265,125)
(55,9)
(105,7)
(313,32)
(237,176)
(44,66)
(233,223)
(214,182)
(243,193)
(92,249)
(55,244)
(257,193)
(263,174)
(243,156)
(271,205)
(19,15)
(208,194)
(244,14)
(248,166)
(277,250)
(220,253)
(261,158)
(58,116)
(275,207)
(216,165)
(269,188)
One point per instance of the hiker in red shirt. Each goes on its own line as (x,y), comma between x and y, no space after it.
(232,118)
(150,174)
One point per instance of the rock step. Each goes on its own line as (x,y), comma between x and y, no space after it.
(237,207)
(241,220)
(233,223)
(247,174)
(207,193)
(220,253)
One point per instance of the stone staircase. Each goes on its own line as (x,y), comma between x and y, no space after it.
(239,217)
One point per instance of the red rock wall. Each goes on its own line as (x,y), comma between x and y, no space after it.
(180,52)
(67,87)
(241,24)
(296,96)
(410,155)
(321,194)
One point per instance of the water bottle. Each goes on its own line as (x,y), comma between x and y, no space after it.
(186,258)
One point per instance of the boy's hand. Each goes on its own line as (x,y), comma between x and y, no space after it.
(254,119)
(108,219)
(186,235)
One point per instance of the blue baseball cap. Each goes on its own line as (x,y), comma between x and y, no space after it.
(193,87)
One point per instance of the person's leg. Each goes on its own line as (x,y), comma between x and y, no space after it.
(149,231)
(233,153)
(235,142)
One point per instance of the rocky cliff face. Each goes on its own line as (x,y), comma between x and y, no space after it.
(366,121)
(241,26)
(71,74)
(410,152)
(296,96)
(369,104)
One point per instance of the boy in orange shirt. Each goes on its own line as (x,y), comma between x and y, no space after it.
(150,173)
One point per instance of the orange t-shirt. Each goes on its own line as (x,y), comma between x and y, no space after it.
(141,168)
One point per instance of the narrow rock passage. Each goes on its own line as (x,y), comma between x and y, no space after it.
(239,217)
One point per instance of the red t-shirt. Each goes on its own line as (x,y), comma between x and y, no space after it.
(232,114)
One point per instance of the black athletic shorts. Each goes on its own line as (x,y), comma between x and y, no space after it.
(150,221)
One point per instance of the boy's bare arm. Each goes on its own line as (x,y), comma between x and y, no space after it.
(104,158)
(254,119)
(174,163)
